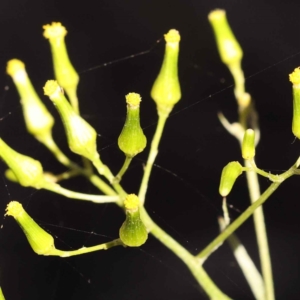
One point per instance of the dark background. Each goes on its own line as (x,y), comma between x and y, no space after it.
(183,196)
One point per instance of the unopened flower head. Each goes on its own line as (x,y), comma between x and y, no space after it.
(228,46)
(80,134)
(40,241)
(133,232)
(166,90)
(132,139)
(38,120)
(64,71)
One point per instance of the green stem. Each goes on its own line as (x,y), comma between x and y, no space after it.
(261,234)
(191,262)
(83,250)
(162,117)
(247,213)
(79,196)
(124,168)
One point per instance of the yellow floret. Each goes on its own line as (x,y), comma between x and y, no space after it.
(133,99)
(51,87)
(13,66)
(54,30)
(172,36)
(295,76)
(131,202)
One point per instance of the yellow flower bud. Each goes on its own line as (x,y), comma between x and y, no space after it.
(132,139)
(133,232)
(40,241)
(166,90)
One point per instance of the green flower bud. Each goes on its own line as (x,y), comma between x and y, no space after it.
(132,139)
(295,79)
(38,120)
(228,46)
(166,88)
(40,241)
(229,175)
(133,232)
(248,145)
(65,73)
(80,134)
(27,171)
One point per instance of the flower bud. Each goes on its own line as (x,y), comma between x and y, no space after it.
(38,120)
(166,88)
(295,79)
(132,139)
(80,134)
(248,145)
(27,171)
(228,46)
(40,241)
(133,232)
(229,175)
(65,73)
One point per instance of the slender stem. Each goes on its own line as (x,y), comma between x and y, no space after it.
(191,262)
(83,250)
(80,196)
(162,117)
(261,234)
(247,266)
(124,168)
(239,221)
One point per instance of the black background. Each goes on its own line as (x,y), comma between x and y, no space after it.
(183,196)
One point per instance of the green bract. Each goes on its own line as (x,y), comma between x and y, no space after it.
(166,88)
(40,241)
(133,232)
(132,139)
(229,175)
(248,145)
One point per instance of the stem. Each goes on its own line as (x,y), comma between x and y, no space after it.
(162,117)
(191,262)
(247,266)
(80,196)
(123,169)
(261,234)
(83,250)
